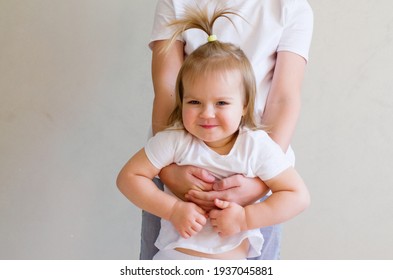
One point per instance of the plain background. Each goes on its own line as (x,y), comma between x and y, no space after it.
(75,104)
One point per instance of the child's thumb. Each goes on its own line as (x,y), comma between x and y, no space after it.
(221,203)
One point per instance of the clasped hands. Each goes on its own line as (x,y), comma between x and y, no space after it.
(203,196)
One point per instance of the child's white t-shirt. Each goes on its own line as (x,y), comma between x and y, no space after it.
(254,154)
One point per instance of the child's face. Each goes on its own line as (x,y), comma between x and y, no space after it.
(213,107)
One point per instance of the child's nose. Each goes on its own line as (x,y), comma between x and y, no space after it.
(208,111)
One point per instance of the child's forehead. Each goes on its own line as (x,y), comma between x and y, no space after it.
(215,74)
(218,84)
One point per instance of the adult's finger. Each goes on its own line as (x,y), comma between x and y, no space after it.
(202,174)
(228,183)
(205,196)
(206,205)
(221,203)
(202,179)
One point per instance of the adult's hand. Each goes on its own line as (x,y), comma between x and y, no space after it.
(237,188)
(181,179)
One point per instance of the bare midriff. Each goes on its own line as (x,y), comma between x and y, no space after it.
(240,252)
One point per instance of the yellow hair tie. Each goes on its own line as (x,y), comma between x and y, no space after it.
(212,38)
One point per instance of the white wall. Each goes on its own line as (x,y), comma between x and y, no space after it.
(344,137)
(75,104)
(76,97)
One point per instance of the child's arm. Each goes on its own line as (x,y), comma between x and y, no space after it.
(289,197)
(135,182)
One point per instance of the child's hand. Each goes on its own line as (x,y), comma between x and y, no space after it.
(230,220)
(187,218)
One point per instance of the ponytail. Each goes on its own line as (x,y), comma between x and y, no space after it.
(212,56)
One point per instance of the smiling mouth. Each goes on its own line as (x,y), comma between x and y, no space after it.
(208,126)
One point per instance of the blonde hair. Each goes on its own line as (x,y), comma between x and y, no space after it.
(212,57)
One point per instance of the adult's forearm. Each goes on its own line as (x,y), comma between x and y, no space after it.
(281,119)
(283,104)
(162,109)
(165,67)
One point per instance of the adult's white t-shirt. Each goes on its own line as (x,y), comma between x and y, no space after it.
(265,28)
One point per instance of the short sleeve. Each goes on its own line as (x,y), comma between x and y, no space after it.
(164,14)
(160,149)
(271,160)
(298,27)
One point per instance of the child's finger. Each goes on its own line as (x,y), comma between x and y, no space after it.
(201,220)
(185,234)
(196,228)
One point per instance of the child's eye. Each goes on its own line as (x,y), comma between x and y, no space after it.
(222,103)
(193,102)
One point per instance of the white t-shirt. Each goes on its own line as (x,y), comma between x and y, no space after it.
(271,26)
(254,154)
